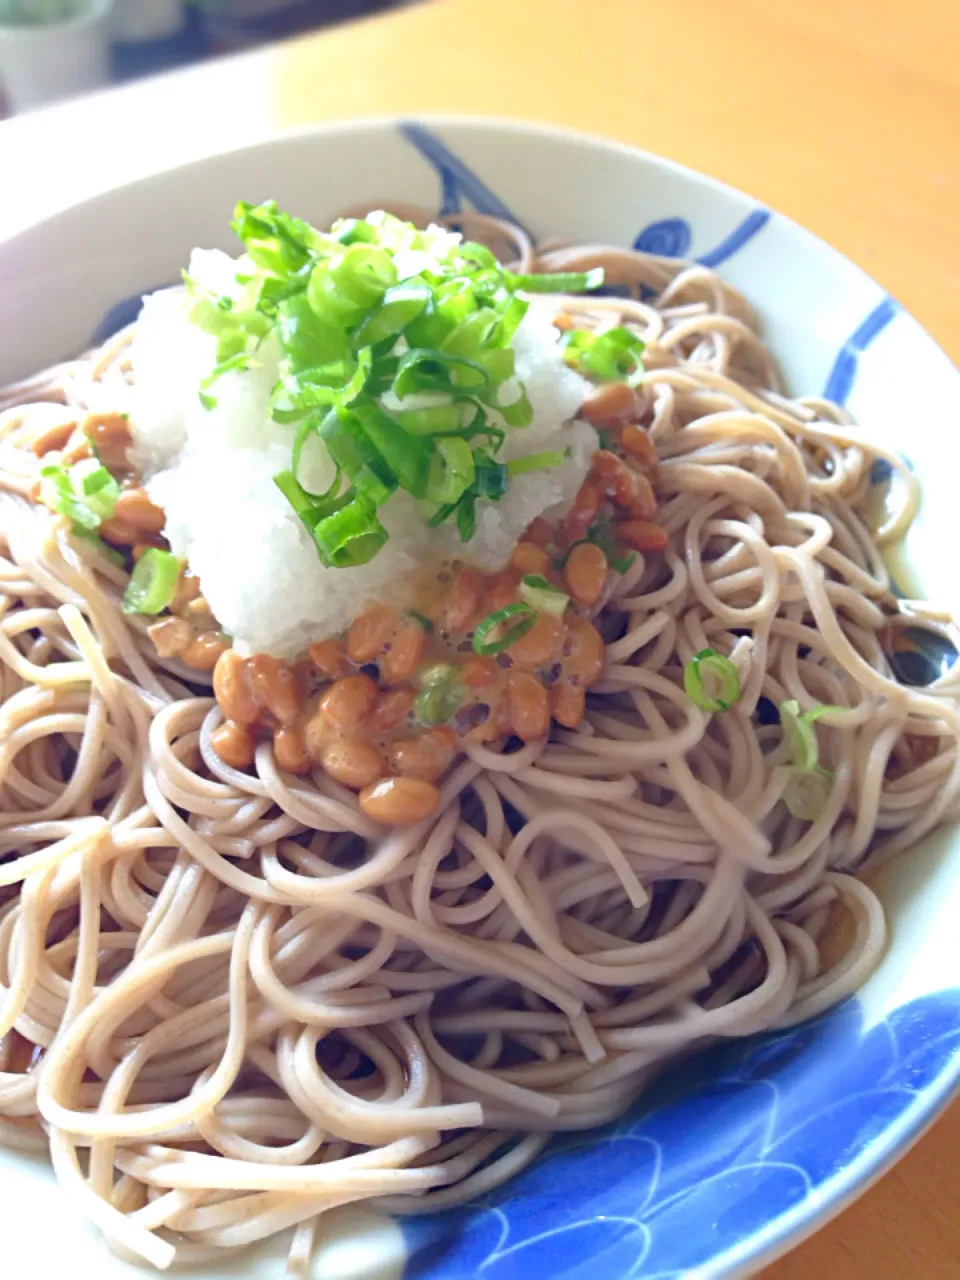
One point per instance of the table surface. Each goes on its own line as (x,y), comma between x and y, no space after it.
(836,112)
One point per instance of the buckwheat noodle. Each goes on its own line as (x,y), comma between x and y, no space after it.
(230,1002)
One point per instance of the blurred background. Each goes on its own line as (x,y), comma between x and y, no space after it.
(51,49)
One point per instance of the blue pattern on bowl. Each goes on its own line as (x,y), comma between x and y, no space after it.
(742,1138)
(844,369)
(672,237)
(667,238)
(458,181)
(118,317)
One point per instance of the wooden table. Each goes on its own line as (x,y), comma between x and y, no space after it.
(844,114)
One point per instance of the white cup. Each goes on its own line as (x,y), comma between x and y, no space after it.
(41,63)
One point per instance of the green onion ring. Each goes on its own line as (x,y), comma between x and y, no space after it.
(526,618)
(710,663)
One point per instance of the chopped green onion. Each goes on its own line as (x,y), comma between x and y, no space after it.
(402,303)
(273,240)
(438,673)
(323,387)
(467,516)
(422,619)
(153,583)
(351,536)
(608,356)
(722,675)
(230,321)
(471,251)
(307,427)
(473,333)
(238,363)
(536,462)
(520,413)
(620,564)
(808,786)
(601,533)
(557,281)
(526,618)
(293,491)
(308,342)
(408,457)
(433,420)
(451,471)
(440,695)
(98,489)
(86,493)
(310,507)
(543,597)
(499,363)
(436,704)
(492,478)
(353,231)
(806,794)
(511,319)
(427,370)
(359,460)
(343,288)
(799,736)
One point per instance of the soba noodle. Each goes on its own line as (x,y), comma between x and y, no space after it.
(230,1002)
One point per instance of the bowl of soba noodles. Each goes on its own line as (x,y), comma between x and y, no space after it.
(478,718)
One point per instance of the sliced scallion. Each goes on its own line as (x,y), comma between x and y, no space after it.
(422,619)
(356,456)
(436,704)
(558,281)
(466,517)
(808,785)
(491,479)
(806,794)
(401,304)
(153,583)
(536,462)
(799,735)
(85,493)
(408,457)
(711,681)
(432,420)
(350,536)
(540,595)
(437,673)
(608,356)
(524,617)
(440,695)
(451,471)
(237,363)
(424,369)
(520,413)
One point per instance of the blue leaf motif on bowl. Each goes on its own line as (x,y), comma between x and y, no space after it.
(841,377)
(745,1137)
(667,238)
(457,180)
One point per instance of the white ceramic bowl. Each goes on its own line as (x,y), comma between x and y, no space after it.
(750,1146)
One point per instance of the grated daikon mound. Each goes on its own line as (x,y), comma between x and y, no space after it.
(212,472)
